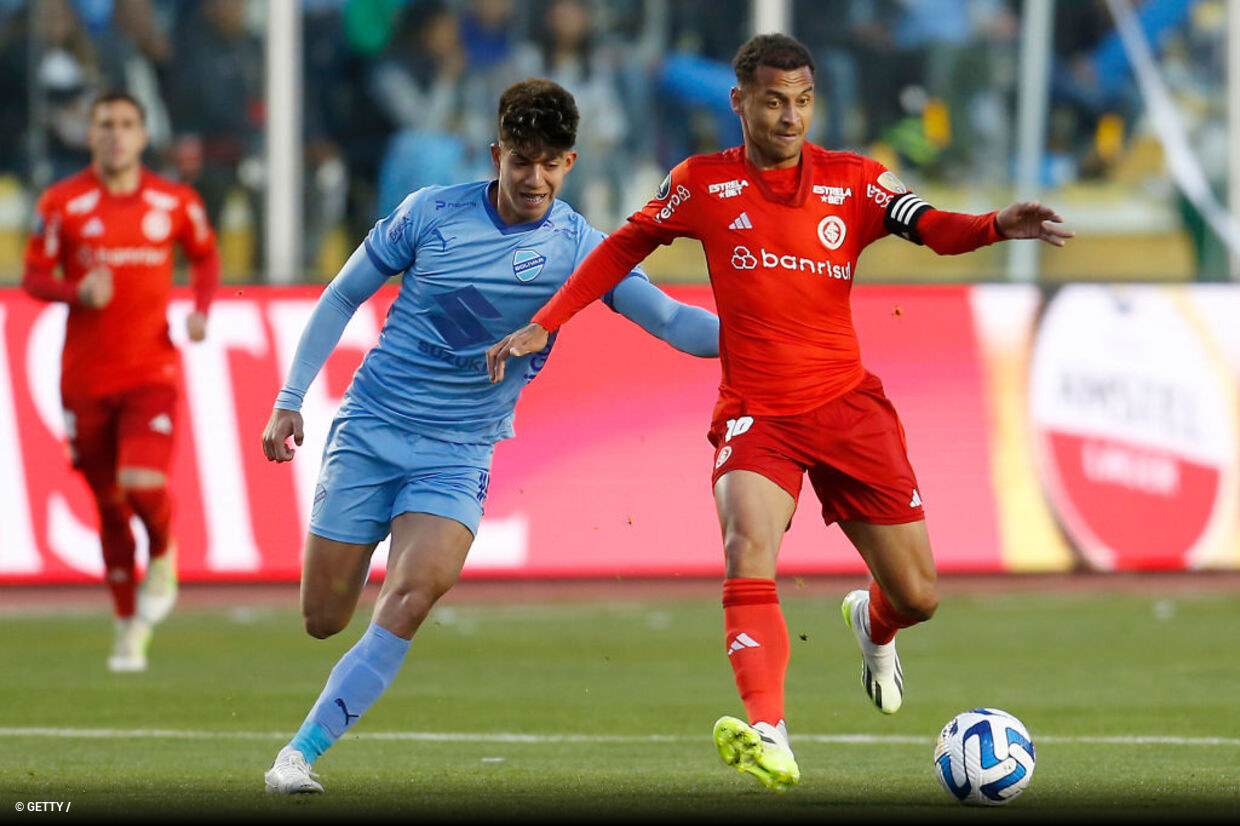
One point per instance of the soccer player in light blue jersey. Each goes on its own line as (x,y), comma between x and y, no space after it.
(409,452)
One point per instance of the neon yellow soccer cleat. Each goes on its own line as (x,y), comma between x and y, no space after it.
(761,750)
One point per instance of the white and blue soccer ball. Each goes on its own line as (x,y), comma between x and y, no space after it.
(984,757)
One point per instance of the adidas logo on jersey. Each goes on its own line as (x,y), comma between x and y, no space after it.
(742,222)
(93,228)
(742,642)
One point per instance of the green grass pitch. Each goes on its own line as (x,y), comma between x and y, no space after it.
(599,709)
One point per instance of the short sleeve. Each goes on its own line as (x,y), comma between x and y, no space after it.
(392,243)
(669,214)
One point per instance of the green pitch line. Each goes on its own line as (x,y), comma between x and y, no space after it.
(554,739)
(604,711)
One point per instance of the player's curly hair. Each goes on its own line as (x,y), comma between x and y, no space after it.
(537,117)
(779,51)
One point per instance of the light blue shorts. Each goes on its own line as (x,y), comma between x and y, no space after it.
(373,471)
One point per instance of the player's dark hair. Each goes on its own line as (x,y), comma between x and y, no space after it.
(118,96)
(537,117)
(779,51)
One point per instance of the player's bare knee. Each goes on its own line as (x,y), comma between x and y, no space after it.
(402,609)
(747,556)
(919,603)
(322,625)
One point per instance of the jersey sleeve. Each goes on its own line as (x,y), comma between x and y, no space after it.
(669,214)
(198,239)
(197,236)
(392,243)
(43,243)
(591,238)
(358,280)
(43,246)
(889,207)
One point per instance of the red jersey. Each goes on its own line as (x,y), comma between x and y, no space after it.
(79,225)
(781,249)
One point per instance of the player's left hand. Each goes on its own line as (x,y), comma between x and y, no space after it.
(196,326)
(282,425)
(1030,219)
(532,338)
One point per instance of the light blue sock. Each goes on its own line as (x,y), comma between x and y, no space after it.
(360,678)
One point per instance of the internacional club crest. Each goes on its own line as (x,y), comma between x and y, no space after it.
(831,231)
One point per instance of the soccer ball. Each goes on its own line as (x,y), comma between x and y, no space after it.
(984,757)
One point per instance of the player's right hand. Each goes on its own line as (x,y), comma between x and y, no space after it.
(95,288)
(532,338)
(281,425)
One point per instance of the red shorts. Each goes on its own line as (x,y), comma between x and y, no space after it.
(133,428)
(852,447)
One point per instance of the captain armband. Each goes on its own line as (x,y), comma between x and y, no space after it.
(902,216)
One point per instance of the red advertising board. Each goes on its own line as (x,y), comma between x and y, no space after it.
(609,472)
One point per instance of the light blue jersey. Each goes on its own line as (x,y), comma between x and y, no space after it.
(419,422)
(469,278)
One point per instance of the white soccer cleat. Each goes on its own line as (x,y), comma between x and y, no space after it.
(761,750)
(133,635)
(880,665)
(290,774)
(158,591)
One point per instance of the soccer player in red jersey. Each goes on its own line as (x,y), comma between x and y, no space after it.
(111,230)
(782,223)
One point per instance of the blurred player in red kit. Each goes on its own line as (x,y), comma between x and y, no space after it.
(782,223)
(111,229)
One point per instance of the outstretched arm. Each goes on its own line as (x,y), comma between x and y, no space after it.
(952,233)
(601,270)
(357,281)
(1030,219)
(689,329)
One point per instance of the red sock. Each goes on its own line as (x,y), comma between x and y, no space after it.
(154,507)
(118,553)
(757,645)
(884,619)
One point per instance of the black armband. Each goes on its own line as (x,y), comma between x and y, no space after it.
(902,215)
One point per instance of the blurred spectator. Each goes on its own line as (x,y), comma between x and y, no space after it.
(951,50)
(936,85)
(216,98)
(326,97)
(694,111)
(845,35)
(66,80)
(1076,100)
(369,24)
(563,48)
(486,32)
(134,55)
(14,96)
(360,127)
(1194,66)
(418,85)
(490,31)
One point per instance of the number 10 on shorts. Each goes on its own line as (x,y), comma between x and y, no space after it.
(738,426)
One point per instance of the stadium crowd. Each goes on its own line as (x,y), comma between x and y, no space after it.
(398,93)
